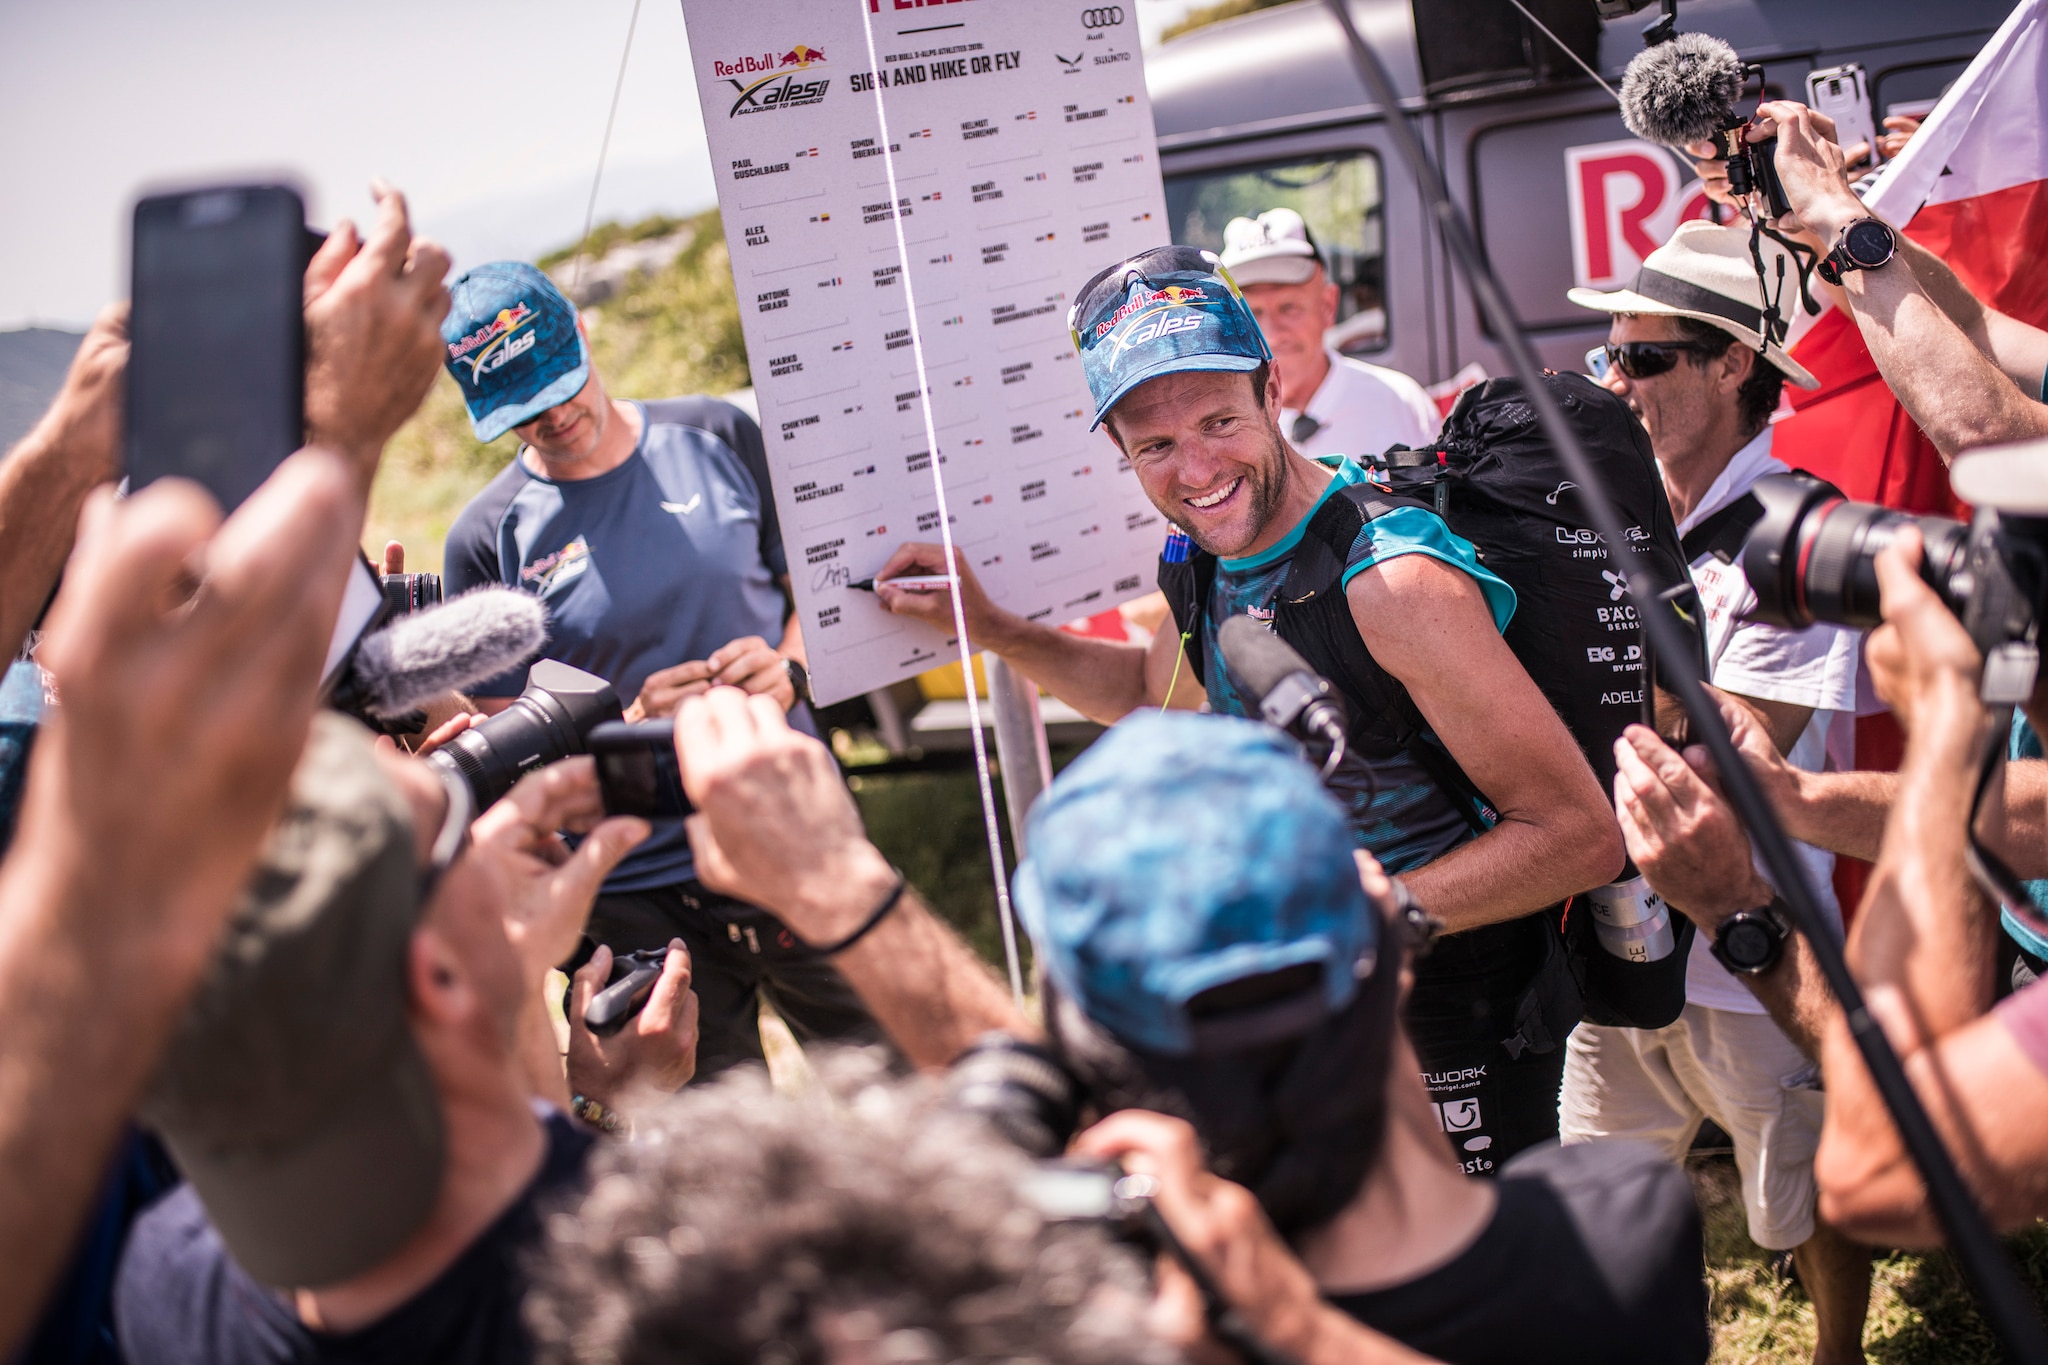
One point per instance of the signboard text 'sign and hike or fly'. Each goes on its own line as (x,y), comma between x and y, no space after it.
(1025,161)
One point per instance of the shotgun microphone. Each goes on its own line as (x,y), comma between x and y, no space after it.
(1290,694)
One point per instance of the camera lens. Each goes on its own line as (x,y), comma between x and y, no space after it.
(410,592)
(548,721)
(1813,554)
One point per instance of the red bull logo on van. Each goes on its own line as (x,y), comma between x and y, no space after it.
(1626,199)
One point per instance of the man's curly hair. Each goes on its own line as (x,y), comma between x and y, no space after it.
(858,1220)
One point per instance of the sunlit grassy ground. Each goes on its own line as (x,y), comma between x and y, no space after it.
(1920,1312)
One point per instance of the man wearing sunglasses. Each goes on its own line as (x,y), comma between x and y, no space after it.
(1182,381)
(1694,348)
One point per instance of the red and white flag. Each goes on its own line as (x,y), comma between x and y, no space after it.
(1972,187)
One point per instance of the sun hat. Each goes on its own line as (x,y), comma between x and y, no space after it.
(1705,272)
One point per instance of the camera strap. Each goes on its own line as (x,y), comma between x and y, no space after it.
(1991,872)
(1772,324)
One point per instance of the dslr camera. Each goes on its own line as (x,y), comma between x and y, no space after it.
(1812,557)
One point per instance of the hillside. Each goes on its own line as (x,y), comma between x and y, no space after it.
(32,365)
(659,303)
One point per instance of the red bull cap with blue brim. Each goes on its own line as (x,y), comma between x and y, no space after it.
(1169,309)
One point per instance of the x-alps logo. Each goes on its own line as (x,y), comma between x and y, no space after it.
(496,342)
(1151,317)
(1106,16)
(766,82)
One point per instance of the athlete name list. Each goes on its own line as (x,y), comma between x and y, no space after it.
(1024,159)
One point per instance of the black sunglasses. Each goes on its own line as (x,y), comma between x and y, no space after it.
(1643,359)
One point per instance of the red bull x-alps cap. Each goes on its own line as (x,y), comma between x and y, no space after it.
(1169,309)
(512,346)
(1183,862)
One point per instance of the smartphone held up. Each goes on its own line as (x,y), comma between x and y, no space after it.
(217,366)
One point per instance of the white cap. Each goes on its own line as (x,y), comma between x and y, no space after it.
(1273,248)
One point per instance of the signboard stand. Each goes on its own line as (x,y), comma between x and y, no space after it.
(1021,748)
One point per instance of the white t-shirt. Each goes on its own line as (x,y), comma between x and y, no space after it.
(1815,667)
(1363,409)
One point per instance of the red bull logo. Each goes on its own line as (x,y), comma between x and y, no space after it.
(490,345)
(1172,296)
(767,63)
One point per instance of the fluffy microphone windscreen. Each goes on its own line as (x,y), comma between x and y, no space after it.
(455,645)
(1681,91)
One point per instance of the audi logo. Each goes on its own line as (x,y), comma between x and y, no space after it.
(1108,17)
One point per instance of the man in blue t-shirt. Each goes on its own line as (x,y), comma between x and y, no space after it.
(649,531)
(1184,383)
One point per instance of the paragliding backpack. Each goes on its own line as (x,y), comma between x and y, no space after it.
(1496,480)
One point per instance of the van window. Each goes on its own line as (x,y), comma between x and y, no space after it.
(1337,196)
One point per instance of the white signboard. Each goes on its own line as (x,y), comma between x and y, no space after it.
(1626,199)
(1021,147)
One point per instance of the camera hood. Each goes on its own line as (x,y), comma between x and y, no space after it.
(2007,478)
(1771,557)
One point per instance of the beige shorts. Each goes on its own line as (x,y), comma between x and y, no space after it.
(1739,1070)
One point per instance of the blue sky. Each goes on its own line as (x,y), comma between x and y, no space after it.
(488,115)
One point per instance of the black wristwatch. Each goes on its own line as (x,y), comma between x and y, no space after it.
(1750,942)
(799,677)
(1864,244)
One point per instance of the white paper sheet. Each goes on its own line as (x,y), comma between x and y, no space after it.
(1025,161)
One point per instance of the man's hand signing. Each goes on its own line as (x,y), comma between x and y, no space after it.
(749,663)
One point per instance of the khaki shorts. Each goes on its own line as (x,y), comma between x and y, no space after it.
(1739,1070)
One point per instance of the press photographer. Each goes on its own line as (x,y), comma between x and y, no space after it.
(1206,945)
(1695,348)
(1924,941)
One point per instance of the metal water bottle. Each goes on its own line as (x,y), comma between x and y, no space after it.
(1632,921)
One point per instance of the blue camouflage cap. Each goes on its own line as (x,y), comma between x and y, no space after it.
(1166,310)
(512,346)
(1183,853)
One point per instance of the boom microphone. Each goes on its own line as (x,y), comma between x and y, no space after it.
(1682,91)
(1291,695)
(446,648)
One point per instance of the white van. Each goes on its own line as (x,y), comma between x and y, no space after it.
(1266,110)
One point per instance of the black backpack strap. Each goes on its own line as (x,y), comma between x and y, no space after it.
(1722,534)
(1187,584)
(1325,550)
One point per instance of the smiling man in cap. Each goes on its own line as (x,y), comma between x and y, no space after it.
(1697,351)
(1397,611)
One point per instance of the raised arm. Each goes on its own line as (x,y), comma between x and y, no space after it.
(1922,947)
(44,479)
(1935,350)
(1428,624)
